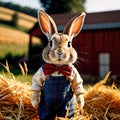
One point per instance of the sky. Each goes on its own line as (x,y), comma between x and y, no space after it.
(90,5)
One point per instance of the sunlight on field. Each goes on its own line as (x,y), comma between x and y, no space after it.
(8,35)
(6,10)
(22,15)
(15,42)
(13,36)
(24,20)
(24,23)
(25,16)
(5,17)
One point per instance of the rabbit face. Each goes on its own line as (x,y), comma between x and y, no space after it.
(59,50)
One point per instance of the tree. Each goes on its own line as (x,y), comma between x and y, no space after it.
(15,19)
(26,10)
(61,6)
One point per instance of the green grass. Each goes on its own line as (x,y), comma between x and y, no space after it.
(7,26)
(27,78)
(17,75)
(13,49)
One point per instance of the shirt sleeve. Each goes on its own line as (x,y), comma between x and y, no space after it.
(77,82)
(38,80)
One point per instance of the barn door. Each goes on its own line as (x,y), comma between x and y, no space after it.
(104,64)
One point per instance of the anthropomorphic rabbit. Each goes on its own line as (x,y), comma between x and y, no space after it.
(55,82)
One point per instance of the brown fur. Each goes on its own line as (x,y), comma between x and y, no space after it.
(61,52)
(60,45)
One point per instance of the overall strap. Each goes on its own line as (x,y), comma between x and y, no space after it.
(42,67)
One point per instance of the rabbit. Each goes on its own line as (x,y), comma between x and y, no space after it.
(55,82)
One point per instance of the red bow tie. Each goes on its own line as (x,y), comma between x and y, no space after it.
(65,70)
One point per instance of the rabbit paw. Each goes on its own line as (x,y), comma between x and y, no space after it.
(80,101)
(35,102)
(35,99)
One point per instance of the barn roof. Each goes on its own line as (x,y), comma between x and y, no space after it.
(98,20)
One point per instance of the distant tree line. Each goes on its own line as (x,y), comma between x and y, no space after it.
(50,6)
(26,10)
(62,6)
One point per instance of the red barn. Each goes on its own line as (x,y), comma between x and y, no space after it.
(98,44)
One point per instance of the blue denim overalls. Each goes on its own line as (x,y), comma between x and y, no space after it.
(56,98)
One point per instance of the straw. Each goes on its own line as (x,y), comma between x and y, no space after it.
(101,102)
(15,101)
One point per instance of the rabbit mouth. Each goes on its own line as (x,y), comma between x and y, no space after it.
(62,57)
(59,55)
(59,59)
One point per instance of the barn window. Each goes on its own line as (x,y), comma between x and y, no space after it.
(104,64)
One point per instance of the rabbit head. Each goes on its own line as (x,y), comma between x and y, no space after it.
(59,50)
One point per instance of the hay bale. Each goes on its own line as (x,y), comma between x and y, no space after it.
(103,102)
(15,101)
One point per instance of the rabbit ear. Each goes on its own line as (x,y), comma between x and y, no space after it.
(46,23)
(74,25)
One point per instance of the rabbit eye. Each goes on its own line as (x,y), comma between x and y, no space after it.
(69,44)
(50,43)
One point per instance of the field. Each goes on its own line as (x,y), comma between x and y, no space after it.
(14,42)
(9,34)
(23,19)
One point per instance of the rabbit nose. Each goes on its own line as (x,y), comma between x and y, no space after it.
(59,51)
